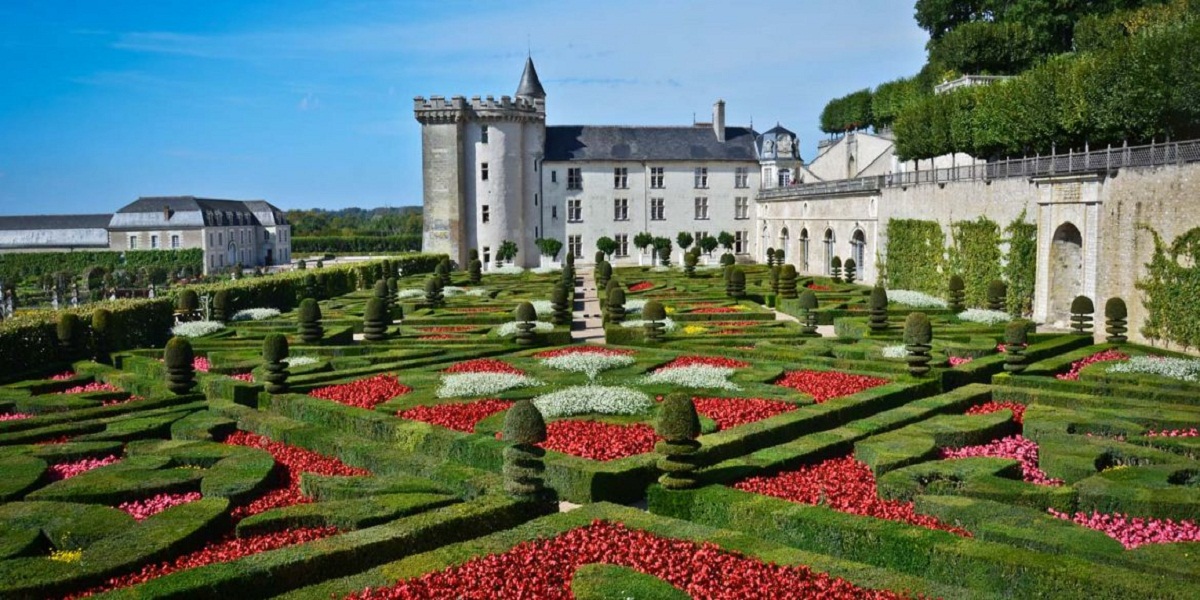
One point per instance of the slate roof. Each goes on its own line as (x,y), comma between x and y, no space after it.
(34,222)
(190,211)
(54,231)
(590,142)
(530,85)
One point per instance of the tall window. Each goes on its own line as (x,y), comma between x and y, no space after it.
(701,177)
(574,211)
(622,240)
(554,212)
(829,240)
(785,177)
(154,241)
(858,246)
(575,179)
(739,242)
(741,177)
(620,178)
(741,207)
(483,171)
(553,176)
(699,235)
(483,134)
(174,241)
(657,209)
(133,242)
(656,178)
(485,212)
(575,244)
(701,208)
(621,209)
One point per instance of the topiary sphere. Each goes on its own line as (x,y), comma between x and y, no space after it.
(599,256)
(727,259)
(654,311)
(188,301)
(275,348)
(787,272)
(523,424)
(1016,333)
(957,284)
(917,329)
(737,277)
(1114,308)
(677,418)
(836,262)
(178,353)
(808,300)
(376,311)
(1082,305)
(997,289)
(525,312)
(879,298)
(690,260)
(310,311)
(616,297)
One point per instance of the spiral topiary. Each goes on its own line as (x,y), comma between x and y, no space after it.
(524,429)
(381,289)
(614,310)
(997,295)
(957,297)
(525,315)
(835,269)
(654,314)
(220,306)
(375,321)
(274,353)
(849,270)
(604,273)
(1082,309)
(178,357)
(560,300)
(918,333)
(735,287)
(689,264)
(309,317)
(433,292)
(678,425)
(787,282)
(809,305)
(391,300)
(770,257)
(475,272)
(877,318)
(1115,314)
(102,331)
(443,271)
(1016,336)
(70,334)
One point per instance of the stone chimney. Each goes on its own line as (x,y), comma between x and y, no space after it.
(718,120)
(166,213)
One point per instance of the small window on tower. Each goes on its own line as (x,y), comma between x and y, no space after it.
(486,213)
(553,176)
(483,134)
(483,171)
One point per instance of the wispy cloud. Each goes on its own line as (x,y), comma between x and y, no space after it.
(309,102)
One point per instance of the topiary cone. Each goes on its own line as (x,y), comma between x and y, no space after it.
(275,351)
(1115,315)
(70,334)
(849,270)
(997,295)
(735,286)
(918,333)
(433,292)
(220,306)
(654,314)
(188,302)
(475,272)
(787,282)
(524,428)
(525,315)
(560,301)
(835,269)
(1081,315)
(375,321)
(178,357)
(678,425)
(809,304)
(689,264)
(614,310)
(877,318)
(102,335)
(956,300)
(309,317)
(1016,336)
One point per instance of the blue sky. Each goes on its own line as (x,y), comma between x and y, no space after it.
(309,103)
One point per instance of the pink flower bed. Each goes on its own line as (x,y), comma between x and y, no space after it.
(1183,433)
(200,363)
(1016,447)
(960,360)
(543,569)
(131,398)
(584,350)
(484,365)
(459,417)
(1077,366)
(68,470)
(1134,531)
(731,412)
(364,393)
(149,507)
(65,375)
(14,416)
(247,377)
(95,386)
(1018,410)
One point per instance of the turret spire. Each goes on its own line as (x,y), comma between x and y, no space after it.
(530,86)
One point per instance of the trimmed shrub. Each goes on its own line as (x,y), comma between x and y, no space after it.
(475,271)
(773,278)
(301,265)
(878,316)
(603,272)
(443,271)
(570,260)
(381,289)
(70,334)
(524,428)
(375,320)
(654,314)
(220,306)
(392,290)
(614,310)
(787,282)
(102,336)
(678,425)
(309,317)
(560,301)
(735,286)
(433,292)
(1016,336)
(835,269)
(956,300)
(178,357)
(849,270)
(1115,315)
(275,352)
(1082,309)
(997,295)
(188,302)
(689,264)
(809,304)
(918,333)
(600,256)
(728,260)
(525,315)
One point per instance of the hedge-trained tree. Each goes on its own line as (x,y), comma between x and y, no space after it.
(678,425)
(375,321)
(835,269)
(70,334)
(606,245)
(684,240)
(808,305)
(433,292)
(614,310)
(662,248)
(735,286)
(561,301)
(525,315)
(549,247)
(918,333)
(877,318)
(220,306)
(178,357)
(274,354)
(568,275)
(708,243)
(654,314)
(1082,310)
(787,281)
(997,295)
(849,270)
(603,273)
(956,300)
(475,272)
(524,429)
(102,335)
(689,264)
(1016,336)
(309,317)
(1115,314)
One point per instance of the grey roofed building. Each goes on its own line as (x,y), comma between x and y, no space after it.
(54,232)
(178,212)
(616,143)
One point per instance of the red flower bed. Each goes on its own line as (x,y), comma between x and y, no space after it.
(65,375)
(294,462)
(845,485)
(459,417)
(447,329)
(704,361)
(484,365)
(95,386)
(718,310)
(826,385)
(546,567)
(1135,531)
(364,393)
(584,350)
(440,338)
(1017,409)
(221,551)
(14,416)
(1078,365)
(735,323)
(819,288)
(731,412)
(596,440)
(71,469)
(149,507)
(641,286)
(247,377)
(476,310)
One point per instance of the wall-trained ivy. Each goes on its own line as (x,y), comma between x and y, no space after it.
(1020,268)
(1170,290)
(975,256)
(915,255)
(35,264)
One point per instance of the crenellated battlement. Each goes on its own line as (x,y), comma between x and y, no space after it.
(439,109)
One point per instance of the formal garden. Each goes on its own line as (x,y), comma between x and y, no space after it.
(401,429)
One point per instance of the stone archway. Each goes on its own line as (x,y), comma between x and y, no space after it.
(1065,270)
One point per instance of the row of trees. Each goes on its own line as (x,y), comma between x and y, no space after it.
(354,221)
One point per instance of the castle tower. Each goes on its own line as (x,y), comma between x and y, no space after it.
(481,161)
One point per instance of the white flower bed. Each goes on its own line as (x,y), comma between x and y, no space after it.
(546,270)
(510,328)
(465,385)
(477,292)
(670,324)
(507,270)
(915,299)
(409,294)
(196,328)
(635,306)
(255,314)
(544,308)
(1183,369)
(585,399)
(982,315)
(588,363)
(660,269)
(452,290)
(896,351)
(300,361)
(694,376)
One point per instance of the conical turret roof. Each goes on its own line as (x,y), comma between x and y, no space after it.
(530,86)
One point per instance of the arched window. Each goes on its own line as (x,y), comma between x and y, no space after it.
(858,246)
(829,240)
(804,250)
(783,243)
